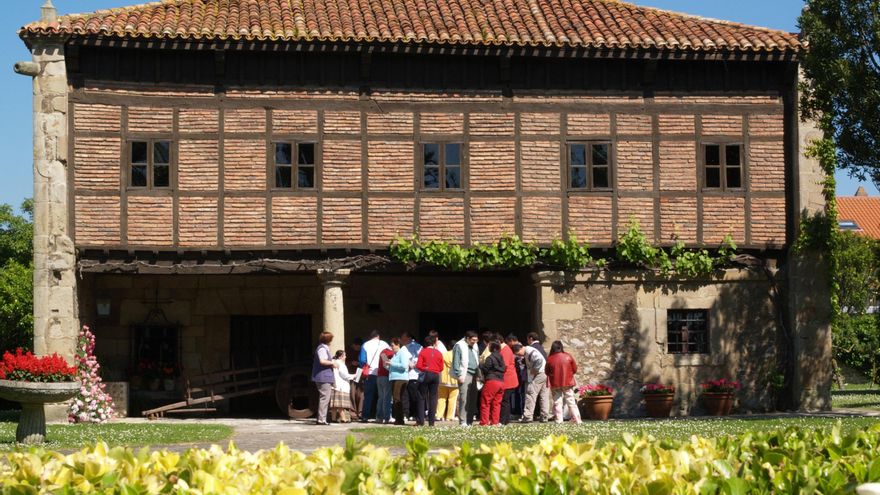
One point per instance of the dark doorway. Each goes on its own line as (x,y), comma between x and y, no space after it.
(450,326)
(267,340)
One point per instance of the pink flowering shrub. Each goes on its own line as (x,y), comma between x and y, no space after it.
(92,404)
(721,386)
(594,391)
(656,389)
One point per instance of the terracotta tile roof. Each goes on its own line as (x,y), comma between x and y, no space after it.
(579,23)
(864,211)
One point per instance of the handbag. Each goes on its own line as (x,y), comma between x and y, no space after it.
(365,370)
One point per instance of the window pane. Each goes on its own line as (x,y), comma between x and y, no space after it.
(306,177)
(600,154)
(713,154)
(600,177)
(282,176)
(161,176)
(307,154)
(453,154)
(282,154)
(578,177)
(578,154)
(734,177)
(138,152)
(432,177)
(453,177)
(733,155)
(687,332)
(139,176)
(432,154)
(713,177)
(161,152)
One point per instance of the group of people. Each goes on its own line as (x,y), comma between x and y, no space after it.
(479,378)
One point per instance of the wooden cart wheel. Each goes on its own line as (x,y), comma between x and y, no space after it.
(295,394)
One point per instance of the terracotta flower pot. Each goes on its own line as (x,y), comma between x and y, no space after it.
(596,407)
(658,405)
(32,396)
(718,403)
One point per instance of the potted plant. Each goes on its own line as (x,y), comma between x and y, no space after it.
(33,382)
(658,399)
(718,396)
(595,401)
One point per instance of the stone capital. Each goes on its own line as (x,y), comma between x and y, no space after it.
(333,277)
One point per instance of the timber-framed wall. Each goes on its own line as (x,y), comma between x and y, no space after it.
(368,136)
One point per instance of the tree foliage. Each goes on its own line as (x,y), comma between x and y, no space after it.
(857,272)
(16,277)
(842,79)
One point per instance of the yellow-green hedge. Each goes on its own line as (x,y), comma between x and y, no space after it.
(785,461)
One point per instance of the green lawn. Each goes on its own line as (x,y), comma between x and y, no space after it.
(857,395)
(603,431)
(76,436)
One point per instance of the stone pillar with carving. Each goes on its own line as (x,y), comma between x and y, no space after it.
(334,312)
(56,319)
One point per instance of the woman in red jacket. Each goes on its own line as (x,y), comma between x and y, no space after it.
(511,381)
(429,366)
(560,372)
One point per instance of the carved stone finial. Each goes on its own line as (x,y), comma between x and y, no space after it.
(48,12)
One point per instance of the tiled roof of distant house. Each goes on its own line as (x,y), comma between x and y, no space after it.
(574,23)
(863,211)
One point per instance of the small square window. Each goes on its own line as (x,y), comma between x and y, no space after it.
(295,165)
(687,331)
(589,166)
(150,165)
(723,167)
(442,165)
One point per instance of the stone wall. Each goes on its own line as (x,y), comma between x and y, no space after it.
(618,336)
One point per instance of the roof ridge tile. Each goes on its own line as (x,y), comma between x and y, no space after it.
(578,23)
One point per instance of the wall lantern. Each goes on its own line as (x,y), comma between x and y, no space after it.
(103,307)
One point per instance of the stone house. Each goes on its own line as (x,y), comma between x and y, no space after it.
(221,179)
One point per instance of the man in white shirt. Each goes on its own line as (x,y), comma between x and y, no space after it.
(370,356)
(537,384)
(412,388)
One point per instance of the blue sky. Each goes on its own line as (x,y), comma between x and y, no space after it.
(15,90)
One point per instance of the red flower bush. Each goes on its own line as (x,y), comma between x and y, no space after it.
(25,367)
(594,391)
(721,386)
(657,388)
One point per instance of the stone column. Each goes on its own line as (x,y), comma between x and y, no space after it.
(809,297)
(56,319)
(334,312)
(547,310)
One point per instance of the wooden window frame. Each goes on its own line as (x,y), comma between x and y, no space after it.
(704,347)
(722,166)
(151,164)
(589,165)
(294,165)
(441,164)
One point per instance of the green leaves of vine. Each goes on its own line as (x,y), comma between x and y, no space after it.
(510,252)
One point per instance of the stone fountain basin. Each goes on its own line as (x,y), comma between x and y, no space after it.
(37,393)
